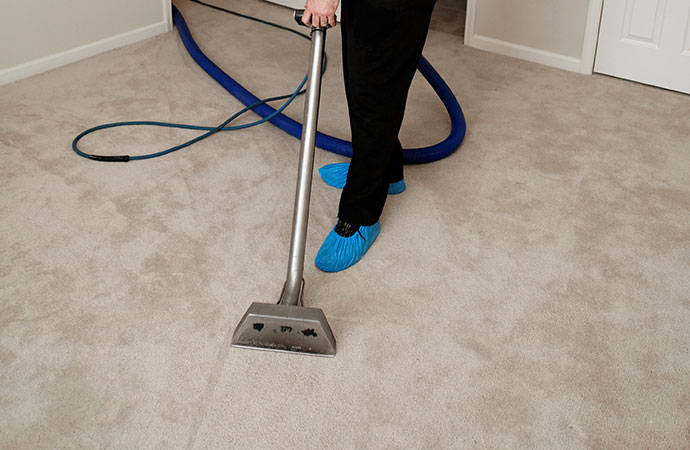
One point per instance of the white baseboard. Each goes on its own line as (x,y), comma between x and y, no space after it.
(69,56)
(523,52)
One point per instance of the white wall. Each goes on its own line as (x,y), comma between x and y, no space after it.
(38,35)
(553,32)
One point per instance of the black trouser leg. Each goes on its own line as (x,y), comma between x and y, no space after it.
(381,51)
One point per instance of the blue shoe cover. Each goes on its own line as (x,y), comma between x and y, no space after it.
(338,253)
(335,175)
(397,187)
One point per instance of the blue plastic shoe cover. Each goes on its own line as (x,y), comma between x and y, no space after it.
(335,175)
(338,253)
(397,187)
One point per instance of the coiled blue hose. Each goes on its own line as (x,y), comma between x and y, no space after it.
(326,142)
(267,113)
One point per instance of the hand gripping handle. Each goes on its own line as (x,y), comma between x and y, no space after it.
(299,13)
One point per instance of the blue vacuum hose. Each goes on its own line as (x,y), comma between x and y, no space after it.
(276,116)
(326,142)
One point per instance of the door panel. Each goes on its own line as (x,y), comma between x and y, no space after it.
(644,21)
(646,41)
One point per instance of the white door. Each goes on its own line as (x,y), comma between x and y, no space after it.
(646,41)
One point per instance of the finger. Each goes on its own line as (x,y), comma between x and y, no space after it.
(306,18)
(323,21)
(331,20)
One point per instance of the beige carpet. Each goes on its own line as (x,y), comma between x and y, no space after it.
(530,291)
(449,17)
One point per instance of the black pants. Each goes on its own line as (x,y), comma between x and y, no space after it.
(382,44)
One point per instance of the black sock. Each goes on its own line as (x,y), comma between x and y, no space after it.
(344,229)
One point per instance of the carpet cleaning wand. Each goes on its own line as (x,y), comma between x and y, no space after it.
(289,326)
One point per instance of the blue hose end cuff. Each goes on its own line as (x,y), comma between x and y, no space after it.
(335,175)
(337,253)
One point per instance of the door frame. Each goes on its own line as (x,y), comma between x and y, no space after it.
(585,64)
(589,47)
(167,15)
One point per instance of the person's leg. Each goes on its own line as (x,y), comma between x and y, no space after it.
(381,51)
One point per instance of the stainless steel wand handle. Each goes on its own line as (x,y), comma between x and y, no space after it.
(293,284)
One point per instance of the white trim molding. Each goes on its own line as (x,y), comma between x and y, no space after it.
(470,17)
(167,15)
(589,47)
(76,54)
(527,53)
